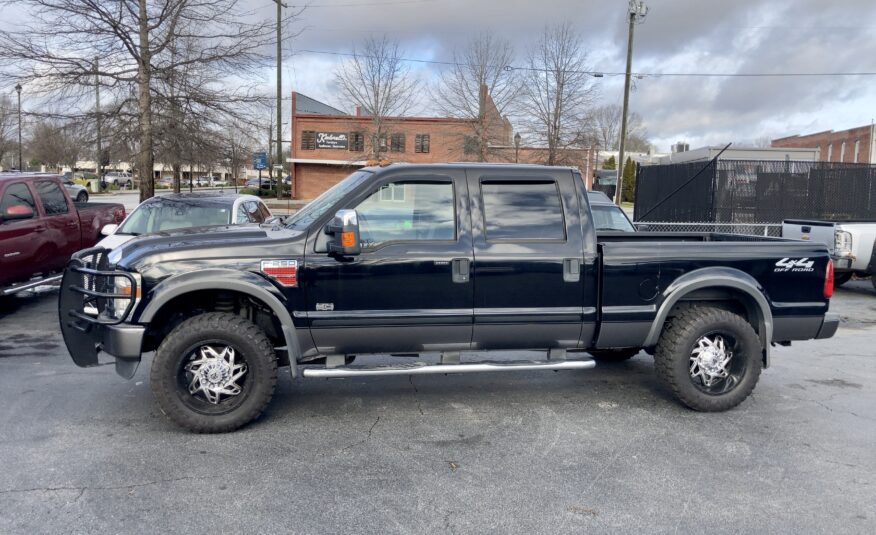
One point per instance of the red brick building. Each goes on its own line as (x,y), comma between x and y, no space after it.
(855,145)
(328,144)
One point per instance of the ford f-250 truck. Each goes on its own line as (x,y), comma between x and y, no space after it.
(41,227)
(852,245)
(413,259)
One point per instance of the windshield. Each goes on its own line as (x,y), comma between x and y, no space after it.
(317,207)
(164,214)
(609,217)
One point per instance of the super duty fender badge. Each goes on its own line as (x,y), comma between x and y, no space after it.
(325,307)
(283,271)
(799,265)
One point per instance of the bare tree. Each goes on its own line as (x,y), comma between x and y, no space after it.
(378,81)
(602,127)
(56,144)
(480,86)
(557,89)
(136,43)
(8,127)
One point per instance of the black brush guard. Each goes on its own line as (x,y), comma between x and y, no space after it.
(86,294)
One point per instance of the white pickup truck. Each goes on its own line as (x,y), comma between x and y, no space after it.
(852,244)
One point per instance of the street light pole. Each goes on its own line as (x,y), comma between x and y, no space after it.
(637,11)
(18,90)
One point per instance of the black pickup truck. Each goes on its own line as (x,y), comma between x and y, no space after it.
(432,260)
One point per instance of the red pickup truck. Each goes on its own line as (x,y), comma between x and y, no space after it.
(41,226)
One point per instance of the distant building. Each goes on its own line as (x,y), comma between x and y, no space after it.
(328,144)
(855,145)
(704,154)
(680,146)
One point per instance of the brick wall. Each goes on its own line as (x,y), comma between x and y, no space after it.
(830,144)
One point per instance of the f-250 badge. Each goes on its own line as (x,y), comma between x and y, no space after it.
(800,265)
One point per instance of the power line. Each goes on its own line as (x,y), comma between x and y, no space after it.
(608,73)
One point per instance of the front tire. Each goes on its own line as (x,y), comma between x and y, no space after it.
(214,373)
(82,197)
(710,358)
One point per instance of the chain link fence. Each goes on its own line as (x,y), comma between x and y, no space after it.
(745,229)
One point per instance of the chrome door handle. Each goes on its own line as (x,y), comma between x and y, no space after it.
(461,270)
(571,269)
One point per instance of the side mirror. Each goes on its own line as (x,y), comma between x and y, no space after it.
(17,212)
(344,230)
(109,230)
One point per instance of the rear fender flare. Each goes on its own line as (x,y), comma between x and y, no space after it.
(226,279)
(716,277)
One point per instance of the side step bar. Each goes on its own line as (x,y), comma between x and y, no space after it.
(31,284)
(430,369)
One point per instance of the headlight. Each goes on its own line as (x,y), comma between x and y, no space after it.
(842,243)
(122,285)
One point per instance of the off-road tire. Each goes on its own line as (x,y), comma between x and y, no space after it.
(239,332)
(679,336)
(614,355)
(841,278)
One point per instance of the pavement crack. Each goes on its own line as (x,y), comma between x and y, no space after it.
(82,490)
(364,440)
(416,398)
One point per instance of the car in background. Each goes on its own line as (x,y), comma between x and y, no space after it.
(78,192)
(266,183)
(218,182)
(121,179)
(185,210)
(41,227)
(608,216)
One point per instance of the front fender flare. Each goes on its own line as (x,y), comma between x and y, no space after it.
(243,282)
(716,277)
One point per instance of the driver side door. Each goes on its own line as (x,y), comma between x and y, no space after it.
(410,289)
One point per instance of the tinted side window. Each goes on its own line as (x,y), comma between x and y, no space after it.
(53,200)
(17,195)
(241,216)
(406,211)
(252,208)
(523,210)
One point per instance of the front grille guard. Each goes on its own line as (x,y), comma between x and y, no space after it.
(96,289)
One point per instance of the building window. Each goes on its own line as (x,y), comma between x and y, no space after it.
(842,151)
(357,142)
(830,152)
(397,143)
(421,143)
(308,140)
(857,148)
(381,143)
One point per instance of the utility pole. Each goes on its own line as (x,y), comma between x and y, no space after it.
(18,90)
(99,164)
(280,6)
(637,11)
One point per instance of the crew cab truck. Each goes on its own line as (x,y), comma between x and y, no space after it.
(41,227)
(437,259)
(852,244)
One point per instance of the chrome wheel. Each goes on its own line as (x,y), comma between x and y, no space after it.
(213,373)
(713,368)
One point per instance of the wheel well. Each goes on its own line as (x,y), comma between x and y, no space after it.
(199,302)
(730,299)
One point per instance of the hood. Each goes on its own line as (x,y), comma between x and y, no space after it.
(220,246)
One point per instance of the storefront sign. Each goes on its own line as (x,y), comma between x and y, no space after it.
(331,140)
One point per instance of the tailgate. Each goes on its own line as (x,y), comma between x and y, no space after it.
(814,231)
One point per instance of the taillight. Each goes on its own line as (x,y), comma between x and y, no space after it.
(828,280)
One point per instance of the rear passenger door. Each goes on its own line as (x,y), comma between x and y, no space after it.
(528,252)
(60,223)
(19,248)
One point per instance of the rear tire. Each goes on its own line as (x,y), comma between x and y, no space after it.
(691,353)
(82,197)
(614,355)
(195,384)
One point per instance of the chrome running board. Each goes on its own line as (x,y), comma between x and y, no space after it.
(421,368)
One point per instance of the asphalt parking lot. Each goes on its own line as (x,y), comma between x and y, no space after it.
(605,450)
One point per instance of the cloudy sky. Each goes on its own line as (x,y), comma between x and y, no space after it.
(678,36)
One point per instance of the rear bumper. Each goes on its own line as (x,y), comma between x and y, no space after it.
(842,263)
(828,326)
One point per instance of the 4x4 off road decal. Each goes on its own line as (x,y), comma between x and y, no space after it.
(799,265)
